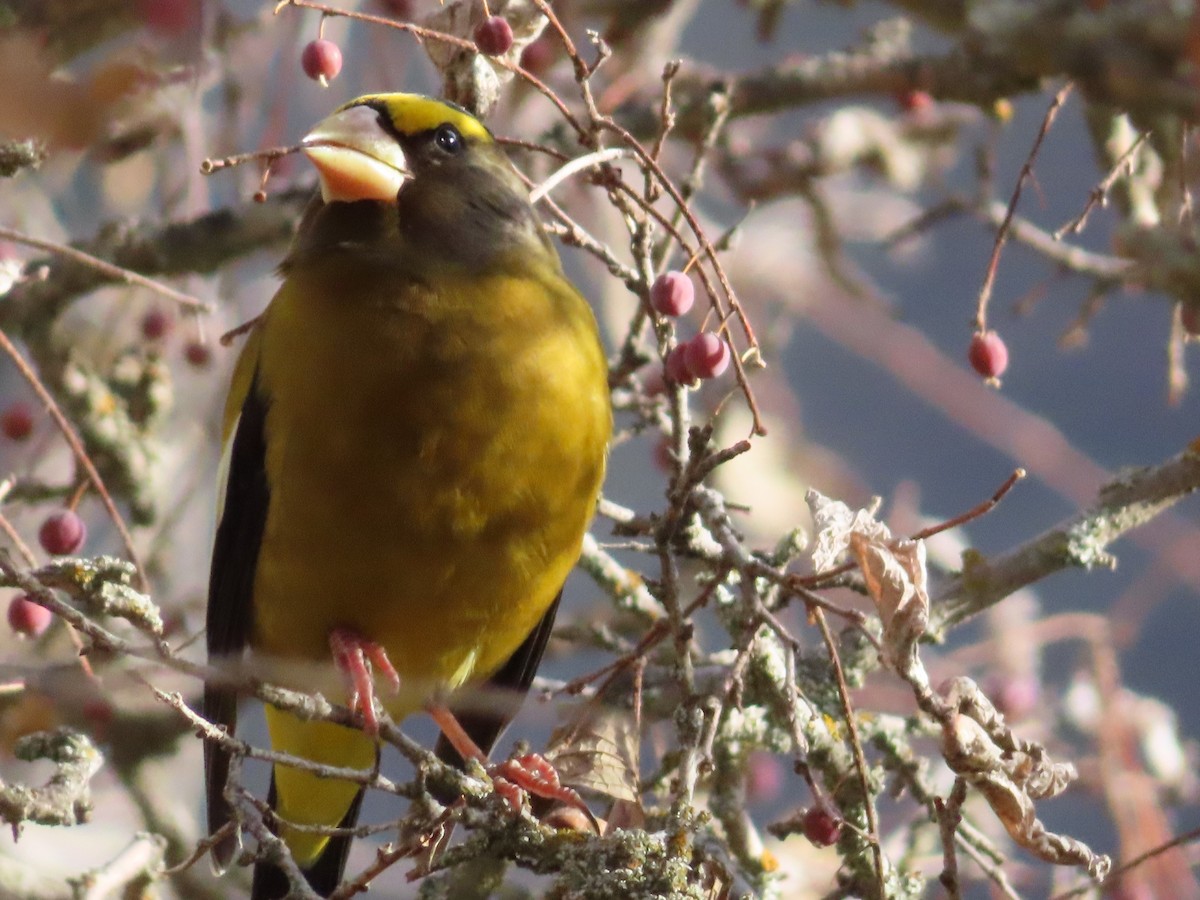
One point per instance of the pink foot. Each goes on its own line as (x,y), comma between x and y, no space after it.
(513,778)
(532,774)
(355,656)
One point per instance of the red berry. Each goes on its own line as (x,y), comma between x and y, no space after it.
(707,355)
(62,533)
(156,325)
(988,354)
(99,714)
(1015,696)
(321,60)
(914,101)
(675,369)
(26,617)
(17,421)
(493,36)
(197,354)
(1189,315)
(672,294)
(538,57)
(822,826)
(764,777)
(170,18)
(401,9)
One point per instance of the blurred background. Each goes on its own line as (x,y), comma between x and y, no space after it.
(863,319)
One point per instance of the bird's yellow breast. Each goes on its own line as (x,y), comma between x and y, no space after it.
(434,451)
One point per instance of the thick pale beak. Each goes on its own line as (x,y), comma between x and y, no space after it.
(355,158)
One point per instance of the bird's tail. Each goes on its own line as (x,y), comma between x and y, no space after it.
(324,875)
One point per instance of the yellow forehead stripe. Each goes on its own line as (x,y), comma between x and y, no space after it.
(414,113)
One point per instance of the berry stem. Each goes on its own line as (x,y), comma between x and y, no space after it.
(77,494)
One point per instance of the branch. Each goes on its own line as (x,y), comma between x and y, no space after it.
(130,873)
(1123,504)
(201,245)
(1133,56)
(18,155)
(66,798)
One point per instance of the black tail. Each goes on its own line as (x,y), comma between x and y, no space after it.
(270,882)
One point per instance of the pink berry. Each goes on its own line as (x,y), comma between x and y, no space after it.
(822,826)
(62,533)
(170,18)
(26,617)
(707,355)
(1015,696)
(1189,315)
(988,354)
(914,101)
(538,57)
(321,60)
(672,294)
(197,354)
(401,9)
(494,36)
(17,421)
(156,325)
(99,714)
(675,369)
(764,777)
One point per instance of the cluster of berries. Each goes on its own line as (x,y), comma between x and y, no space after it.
(321,59)
(61,534)
(706,355)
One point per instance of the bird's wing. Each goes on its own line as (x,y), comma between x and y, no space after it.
(514,676)
(231,579)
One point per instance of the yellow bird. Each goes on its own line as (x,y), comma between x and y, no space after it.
(416,436)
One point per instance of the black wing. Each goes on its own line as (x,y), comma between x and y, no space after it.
(230,587)
(514,676)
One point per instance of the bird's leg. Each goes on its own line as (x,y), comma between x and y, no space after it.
(529,773)
(355,656)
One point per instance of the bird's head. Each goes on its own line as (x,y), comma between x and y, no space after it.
(417,180)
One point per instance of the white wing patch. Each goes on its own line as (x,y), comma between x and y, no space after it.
(223,468)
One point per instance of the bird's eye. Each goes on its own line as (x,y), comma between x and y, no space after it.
(448,139)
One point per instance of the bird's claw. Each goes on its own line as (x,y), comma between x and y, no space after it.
(356,657)
(532,773)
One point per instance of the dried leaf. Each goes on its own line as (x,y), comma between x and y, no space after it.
(896,580)
(1010,774)
(835,523)
(598,751)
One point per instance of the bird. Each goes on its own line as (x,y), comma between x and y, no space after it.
(415,441)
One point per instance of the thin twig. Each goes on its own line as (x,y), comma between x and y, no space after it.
(109,270)
(1098,196)
(77,448)
(860,760)
(985,292)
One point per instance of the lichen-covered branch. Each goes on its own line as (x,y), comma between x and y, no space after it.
(1132,499)
(65,799)
(18,155)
